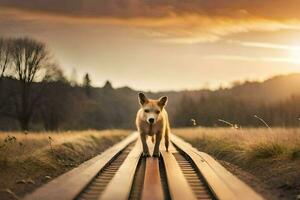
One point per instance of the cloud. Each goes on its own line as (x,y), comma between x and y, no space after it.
(159,8)
(265,45)
(194,29)
(291,60)
(173,21)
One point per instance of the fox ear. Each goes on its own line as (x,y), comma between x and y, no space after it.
(142,98)
(162,101)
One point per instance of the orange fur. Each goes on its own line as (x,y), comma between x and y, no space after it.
(153,110)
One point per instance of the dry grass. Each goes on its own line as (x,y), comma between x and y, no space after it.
(29,160)
(245,144)
(18,145)
(272,155)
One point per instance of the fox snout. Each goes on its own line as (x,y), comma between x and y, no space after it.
(151,120)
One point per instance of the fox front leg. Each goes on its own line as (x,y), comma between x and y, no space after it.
(157,143)
(145,146)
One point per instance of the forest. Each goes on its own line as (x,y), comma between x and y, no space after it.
(35,94)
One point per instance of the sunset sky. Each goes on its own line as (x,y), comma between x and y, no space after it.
(163,44)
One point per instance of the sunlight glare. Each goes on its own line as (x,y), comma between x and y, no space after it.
(295,55)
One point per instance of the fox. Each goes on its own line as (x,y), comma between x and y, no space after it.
(152,120)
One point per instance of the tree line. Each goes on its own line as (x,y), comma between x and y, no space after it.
(228,110)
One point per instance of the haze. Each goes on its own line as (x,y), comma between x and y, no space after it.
(163,45)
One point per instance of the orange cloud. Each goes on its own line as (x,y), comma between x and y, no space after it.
(175,26)
(160,8)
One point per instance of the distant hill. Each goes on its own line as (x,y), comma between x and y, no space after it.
(272,90)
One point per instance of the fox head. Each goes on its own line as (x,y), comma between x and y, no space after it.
(151,108)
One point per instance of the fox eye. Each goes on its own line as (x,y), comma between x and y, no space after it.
(157,112)
(147,110)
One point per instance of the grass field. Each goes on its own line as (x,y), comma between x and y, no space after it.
(271,155)
(29,160)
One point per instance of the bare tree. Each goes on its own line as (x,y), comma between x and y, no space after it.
(4,56)
(30,60)
(4,63)
(54,74)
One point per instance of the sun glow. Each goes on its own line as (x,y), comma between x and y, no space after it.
(295,55)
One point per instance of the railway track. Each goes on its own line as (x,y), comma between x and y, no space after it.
(122,173)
